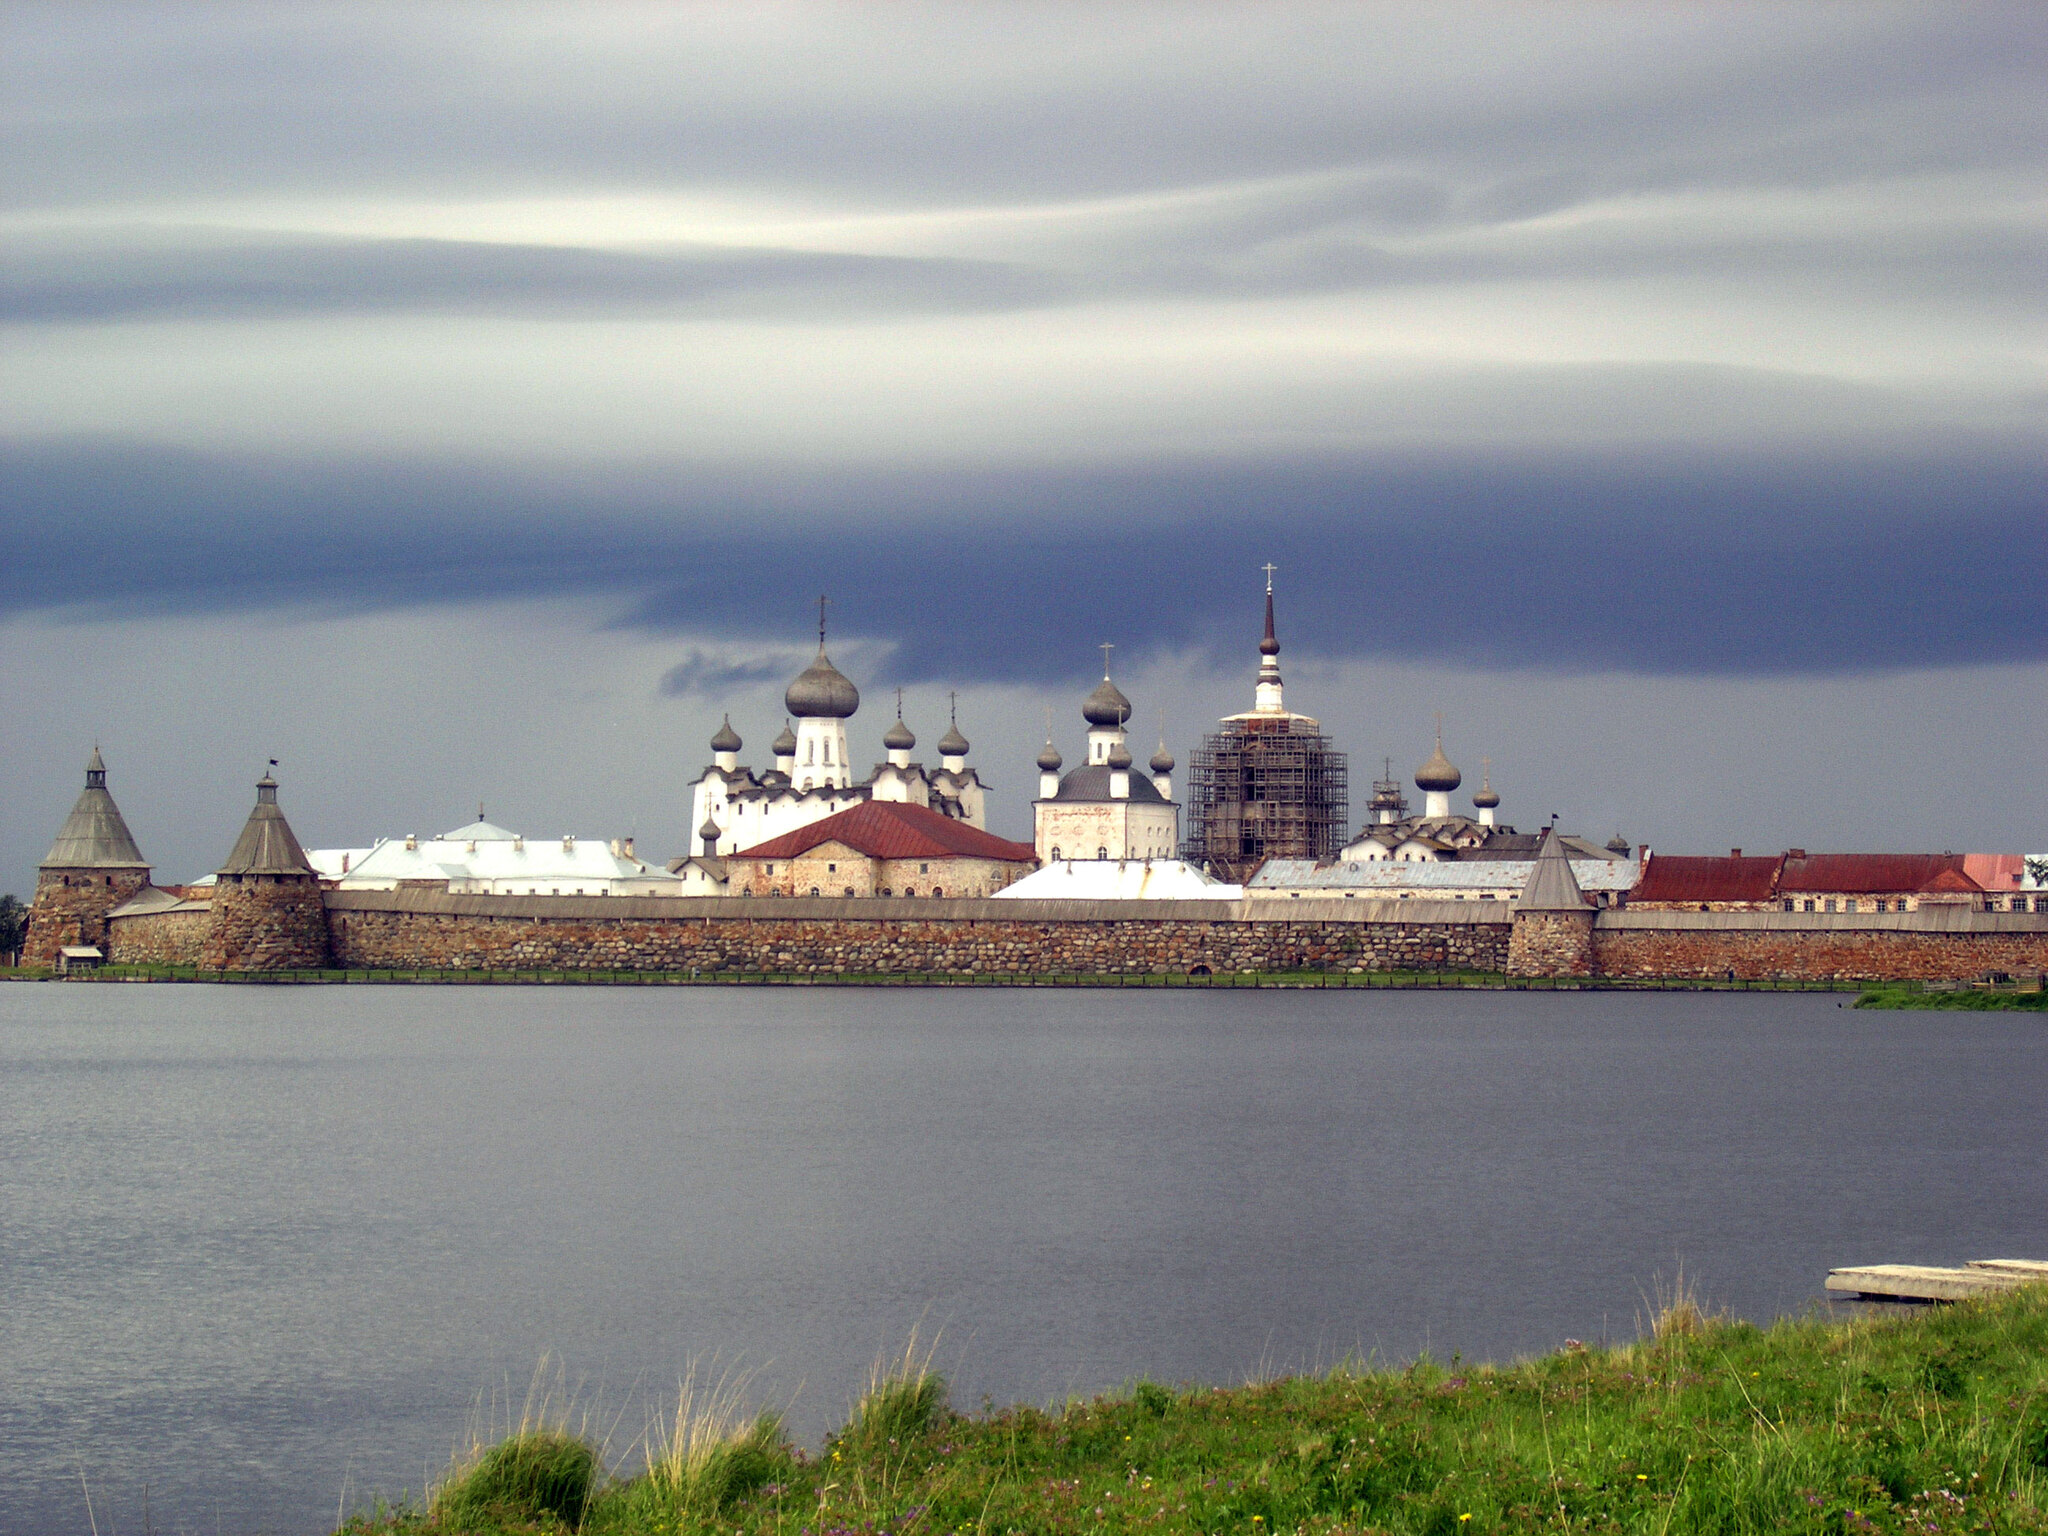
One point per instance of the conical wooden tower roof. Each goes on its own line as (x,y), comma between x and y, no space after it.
(1552,886)
(267,845)
(94,836)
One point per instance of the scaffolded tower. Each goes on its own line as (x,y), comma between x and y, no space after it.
(1268,785)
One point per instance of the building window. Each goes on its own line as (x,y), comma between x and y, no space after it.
(910,890)
(849,890)
(1055,851)
(938,890)
(1830,904)
(924,869)
(1791,905)
(1849,905)
(1102,853)
(814,890)
(831,869)
(1809,904)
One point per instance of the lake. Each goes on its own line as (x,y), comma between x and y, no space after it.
(267,1248)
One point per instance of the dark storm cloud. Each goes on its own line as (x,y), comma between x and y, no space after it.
(1646,563)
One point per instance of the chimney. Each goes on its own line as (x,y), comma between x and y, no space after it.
(629,849)
(1734,853)
(1795,853)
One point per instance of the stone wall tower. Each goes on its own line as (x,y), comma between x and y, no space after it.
(1553,922)
(268,914)
(91,869)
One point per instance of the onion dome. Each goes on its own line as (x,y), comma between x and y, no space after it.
(1162,760)
(952,744)
(1049,758)
(1119,756)
(898,737)
(1106,705)
(709,831)
(727,739)
(1438,774)
(1487,798)
(784,745)
(822,691)
(1617,844)
(1270,644)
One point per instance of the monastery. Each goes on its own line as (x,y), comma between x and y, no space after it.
(734,808)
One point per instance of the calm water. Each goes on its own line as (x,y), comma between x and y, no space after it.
(262,1244)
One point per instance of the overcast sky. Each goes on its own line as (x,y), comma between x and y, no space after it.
(472,402)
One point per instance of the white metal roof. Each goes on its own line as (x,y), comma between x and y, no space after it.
(543,866)
(1120,880)
(1504,876)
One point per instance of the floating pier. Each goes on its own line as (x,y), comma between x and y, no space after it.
(1927,1282)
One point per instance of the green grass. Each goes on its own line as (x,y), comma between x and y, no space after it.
(1224,980)
(1931,1421)
(1971,1000)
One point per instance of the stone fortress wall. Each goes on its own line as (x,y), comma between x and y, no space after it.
(824,936)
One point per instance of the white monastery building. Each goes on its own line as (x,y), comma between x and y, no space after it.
(1103,809)
(733,808)
(482,859)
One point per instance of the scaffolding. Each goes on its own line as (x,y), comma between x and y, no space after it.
(1265,789)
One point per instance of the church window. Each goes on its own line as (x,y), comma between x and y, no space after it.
(849,890)
(910,890)
(1102,853)
(887,892)
(814,890)
(1055,850)
(938,890)
(831,869)
(924,869)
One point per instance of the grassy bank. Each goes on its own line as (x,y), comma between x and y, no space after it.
(1971,999)
(1483,981)
(1931,1421)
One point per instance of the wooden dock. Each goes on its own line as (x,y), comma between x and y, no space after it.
(1926,1282)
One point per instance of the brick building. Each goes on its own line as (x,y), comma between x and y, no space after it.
(880,848)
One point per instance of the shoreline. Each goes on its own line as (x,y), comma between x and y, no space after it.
(1376,981)
(1890,1419)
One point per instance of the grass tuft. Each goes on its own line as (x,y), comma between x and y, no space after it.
(542,1478)
(902,1401)
(711,1452)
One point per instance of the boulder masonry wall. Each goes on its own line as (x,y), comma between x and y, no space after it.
(885,935)
(1933,944)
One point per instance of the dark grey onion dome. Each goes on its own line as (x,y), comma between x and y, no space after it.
(727,739)
(1487,798)
(785,744)
(1162,760)
(709,831)
(897,738)
(1106,705)
(1119,756)
(1049,758)
(822,692)
(1617,844)
(1438,773)
(952,744)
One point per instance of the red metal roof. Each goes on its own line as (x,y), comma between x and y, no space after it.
(1682,877)
(889,829)
(1875,873)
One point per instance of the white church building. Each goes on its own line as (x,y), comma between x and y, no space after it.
(1104,809)
(733,808)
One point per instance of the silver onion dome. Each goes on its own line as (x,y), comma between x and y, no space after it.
(1119,756)
(1487,798)
(784,745)
(1106,705)
(1438,773)
(1049,758)
(1162,760)
(952,744)
(822,691)
(898,737)
(727,739)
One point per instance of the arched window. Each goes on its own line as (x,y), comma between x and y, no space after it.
(814,890)
(938,890)
(1102,853)
(887,892)
(1055,851)
(849,890)
(910,890)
